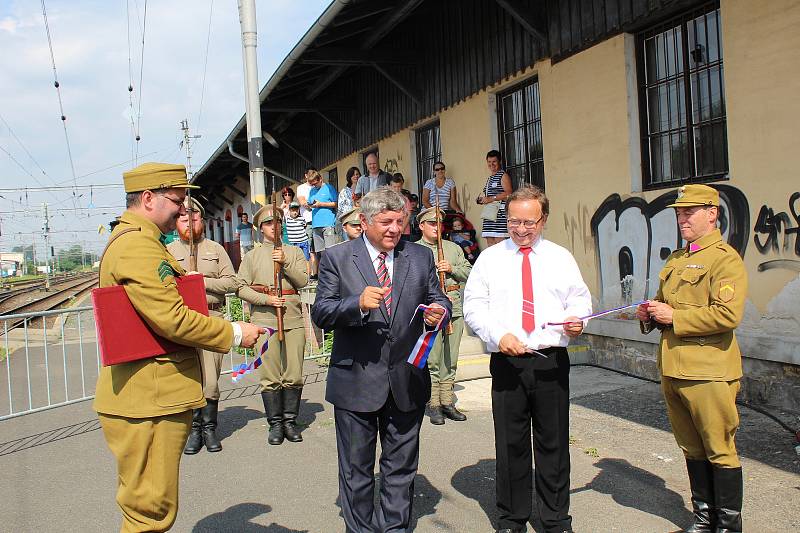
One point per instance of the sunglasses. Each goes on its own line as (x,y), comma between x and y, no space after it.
(437,169)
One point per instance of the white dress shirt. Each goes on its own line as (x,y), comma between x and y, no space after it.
(373,256)
(493,295)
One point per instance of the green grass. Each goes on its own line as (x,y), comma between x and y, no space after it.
(3,354)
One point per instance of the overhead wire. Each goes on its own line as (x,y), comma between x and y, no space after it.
(11,131)
(130,81)
(58,91)
(205,66)
(141,76)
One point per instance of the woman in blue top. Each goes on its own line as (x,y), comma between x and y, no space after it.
(497,189)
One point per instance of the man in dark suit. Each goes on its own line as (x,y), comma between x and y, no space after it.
(368,291)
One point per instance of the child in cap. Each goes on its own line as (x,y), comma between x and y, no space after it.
(296,229)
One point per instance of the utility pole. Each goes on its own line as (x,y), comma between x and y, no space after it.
(187,144)
(247,20)
(46,231)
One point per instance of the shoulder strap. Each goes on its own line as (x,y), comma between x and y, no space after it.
(113,238)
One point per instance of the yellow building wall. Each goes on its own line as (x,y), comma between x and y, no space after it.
(762,89)
(394,154)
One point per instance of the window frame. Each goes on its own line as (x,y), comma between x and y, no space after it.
(422,175)
(691,126)
(536,121)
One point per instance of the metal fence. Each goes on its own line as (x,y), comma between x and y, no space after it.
(51,358)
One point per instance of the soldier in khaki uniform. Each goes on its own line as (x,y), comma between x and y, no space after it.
(145,406)
(443,359)
(351,223)
(212,261)
(700,302)
(282,365)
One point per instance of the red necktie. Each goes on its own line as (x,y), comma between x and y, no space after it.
(528,322)
(385,280)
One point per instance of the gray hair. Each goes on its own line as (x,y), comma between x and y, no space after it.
(380,200)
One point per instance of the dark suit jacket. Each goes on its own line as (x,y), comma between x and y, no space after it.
(369,355)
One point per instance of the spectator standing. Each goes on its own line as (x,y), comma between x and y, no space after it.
(245,233)
(374,179)
(303,190)
(287,197)
(346,202)
(296,230)
(396,184)
(322,200)
(498,187)
(442,189)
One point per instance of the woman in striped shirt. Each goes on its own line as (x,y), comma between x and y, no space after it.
(441,188)
(497,189)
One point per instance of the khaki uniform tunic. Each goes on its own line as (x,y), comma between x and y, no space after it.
(443,359)
(282,364)
(219,278)
(699,358)
(144,406)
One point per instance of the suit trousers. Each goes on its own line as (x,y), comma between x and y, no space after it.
(532,392)
(148,453)
(356,435)
(704,418)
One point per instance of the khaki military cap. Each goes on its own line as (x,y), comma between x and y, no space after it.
(429,214)
(152,176)
(692,195)
(351,217)
(265,215)
(195,205)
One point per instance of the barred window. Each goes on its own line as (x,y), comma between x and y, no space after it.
(682,101)
(520,118)
(429,150)
(333,177)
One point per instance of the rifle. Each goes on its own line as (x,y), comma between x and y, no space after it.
(277,268)
(440,257)
(192,247)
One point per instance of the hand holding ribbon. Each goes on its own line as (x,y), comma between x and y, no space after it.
(424,345)
(240,371)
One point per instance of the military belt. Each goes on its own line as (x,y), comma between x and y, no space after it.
(272,291)
(451,288)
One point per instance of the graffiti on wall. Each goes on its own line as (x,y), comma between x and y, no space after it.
(633,239)
(774,233)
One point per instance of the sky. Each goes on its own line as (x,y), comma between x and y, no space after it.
(95,65)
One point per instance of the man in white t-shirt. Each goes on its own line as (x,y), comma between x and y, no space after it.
(303,191)
(374,178)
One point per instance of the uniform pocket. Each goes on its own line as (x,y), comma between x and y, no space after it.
(178,379)
(691,289)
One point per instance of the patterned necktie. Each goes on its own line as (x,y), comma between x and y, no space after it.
(528,322)
(385,280)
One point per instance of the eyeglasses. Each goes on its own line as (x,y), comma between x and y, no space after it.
(515,223)
(178,203)
(437,169)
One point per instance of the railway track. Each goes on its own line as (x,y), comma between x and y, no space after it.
(11,290)
(37,300)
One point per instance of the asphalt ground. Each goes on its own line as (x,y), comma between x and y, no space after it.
(628,474)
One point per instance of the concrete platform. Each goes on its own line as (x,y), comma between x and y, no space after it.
(627,472)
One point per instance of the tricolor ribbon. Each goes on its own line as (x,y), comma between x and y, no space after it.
(419,355)
(594,315)
(240,371)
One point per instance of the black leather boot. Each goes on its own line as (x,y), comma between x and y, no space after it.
(273,408)
(452,413)
(291,408)
(209,417)
(435,413)
(728,499)
(701,480)
(195,442)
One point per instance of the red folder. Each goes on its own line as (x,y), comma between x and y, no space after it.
(123,335)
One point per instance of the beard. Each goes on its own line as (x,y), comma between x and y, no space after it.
(183,231)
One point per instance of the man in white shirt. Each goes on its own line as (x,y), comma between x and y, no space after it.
(303,192)
(374,178)
(516,290)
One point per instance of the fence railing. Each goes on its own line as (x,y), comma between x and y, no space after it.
(52,359)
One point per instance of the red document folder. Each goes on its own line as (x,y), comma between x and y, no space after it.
(123,335)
